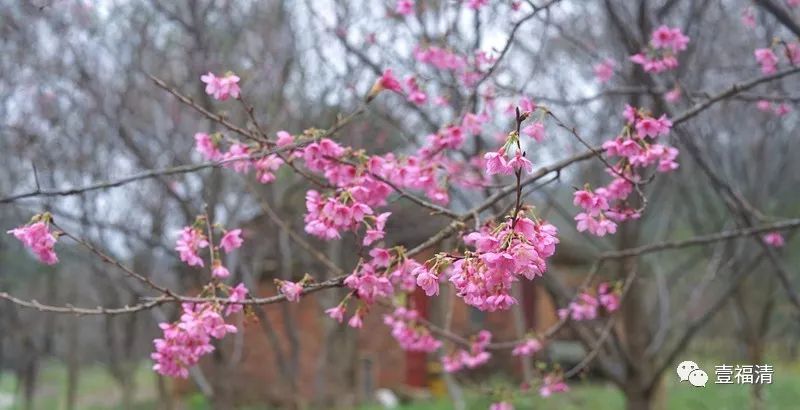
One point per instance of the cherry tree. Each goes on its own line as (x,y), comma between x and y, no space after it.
(487,149)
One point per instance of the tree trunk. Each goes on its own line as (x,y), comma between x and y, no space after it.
(652,399)
(73,365)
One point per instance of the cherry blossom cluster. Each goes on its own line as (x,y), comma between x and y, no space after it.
(37,237)
(587,305)
(768,59)
(187,340)
(503,254)
(661,55)
(375,279)
(636,147)
(222,88)
(409,334)
(472,358)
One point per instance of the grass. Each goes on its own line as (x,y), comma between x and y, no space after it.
(97,391)
(783,393)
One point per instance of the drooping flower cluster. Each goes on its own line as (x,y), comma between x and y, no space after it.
(636,147)
(186,341)
(409,334)
(222,88)
(503,254)
(472,358)
(38,238)
(587,305)
(661,55)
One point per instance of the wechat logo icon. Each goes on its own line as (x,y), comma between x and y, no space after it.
(689,370)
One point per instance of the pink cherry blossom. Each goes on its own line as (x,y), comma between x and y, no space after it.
(219,271)
(237,294)
(231,240)
(673,95)
(380,257)
(483,278)
(520,162)
(472,358)
(496,163)
(265,168)
(774,239)
(185,342)
(768,60)
(336,313)
(665,44)
(204,144)
(376,232)
(38,238)
(356,321)
(552,384)
(527,348)
(291,290)
(191,240)
(476,4)
(404,7)
(604,70)
(783,109)
(427,281)
(408,333)
(535,131)
(221,88)
(284,139)
(236,158)
(389,82)
(369,283)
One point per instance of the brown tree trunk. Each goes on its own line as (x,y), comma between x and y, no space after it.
(647,399)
